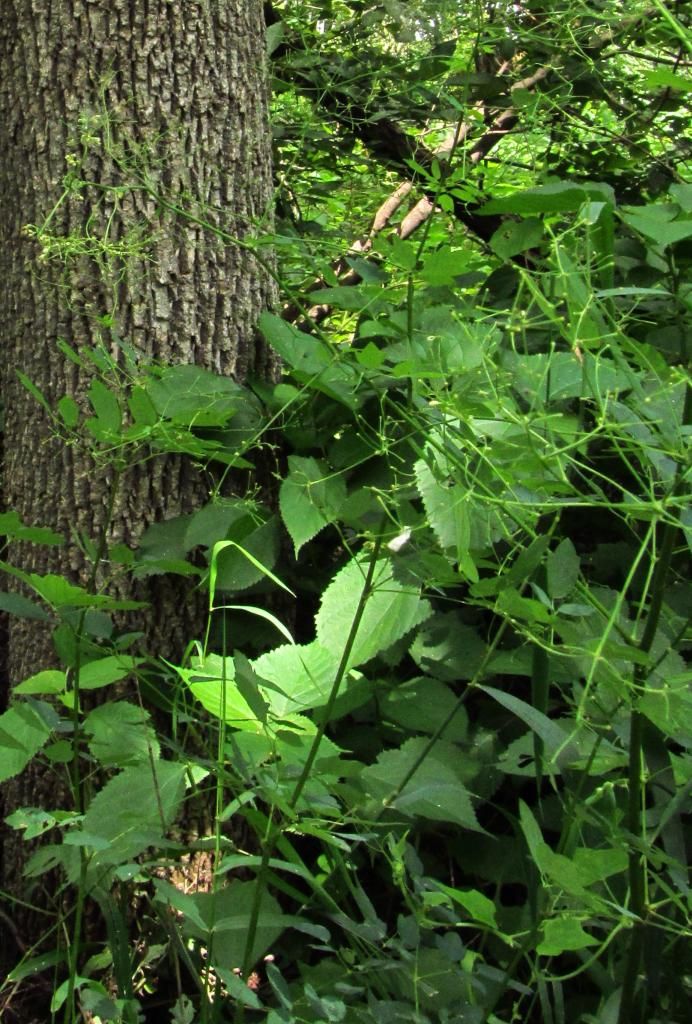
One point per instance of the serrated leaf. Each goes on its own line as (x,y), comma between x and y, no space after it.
(422,705)
(434,791)
(447,510)
(195,397)
(562,569)
(120,734)
(22,607)
(310,498)
(22,734)
(302,674)
(133,810)
(392,610)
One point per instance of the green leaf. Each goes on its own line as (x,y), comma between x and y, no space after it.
(48,681)
(664,78)
(561,934)
(562,569)
(655,223)
(245,558)
(302,676)
(422,705)
(133,811)
(517,236)
(311,360)
(248,683)
(444,266)
(12,526)
(195,397)
(69,410)
(142,408)
(392,610)
(60,594)
(22,734)
(107,670)
(120,734)
(448,649)
(34,392)
(446,506)
(17,604)
(434,791)
(107,408)
(476,905)
(210,680)
(511,603)
(310,498)
(555,738)
(558,197)
(221,918)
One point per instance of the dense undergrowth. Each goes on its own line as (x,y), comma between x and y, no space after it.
(441,691)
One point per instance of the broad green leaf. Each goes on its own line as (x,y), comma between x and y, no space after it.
(558,197)
(195,397)
(445,265)
(562,569)
(391,611)
(133,810)
(448,513)
(248,684)
(57,592)
(302,676)
(422,705)
(107,670)
(142,408)
(22,734)
(48,681)
(654,222)
(120,734)
(311,360)
(561,934)
(219,520)
(245,558)
(664,78)
(517,236)
(434,790)
(310,498)
(22,607)
(476,905)
(212,679)
(222,918)
(448,649)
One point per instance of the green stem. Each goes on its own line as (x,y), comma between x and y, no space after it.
(632,1003)
(78,792)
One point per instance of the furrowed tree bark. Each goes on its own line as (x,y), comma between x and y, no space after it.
(134,99)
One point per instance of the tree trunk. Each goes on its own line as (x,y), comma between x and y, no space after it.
(143,127)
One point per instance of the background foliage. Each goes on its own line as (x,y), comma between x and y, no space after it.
(439,706)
